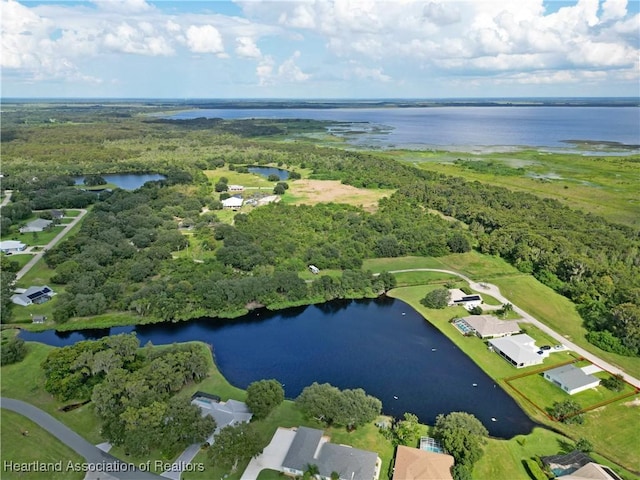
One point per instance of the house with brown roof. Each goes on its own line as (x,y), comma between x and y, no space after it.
(488,326)
(416,464)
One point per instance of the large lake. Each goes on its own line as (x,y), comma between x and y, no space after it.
(383,346)
(463,128)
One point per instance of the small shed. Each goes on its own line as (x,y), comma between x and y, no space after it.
(315,270)
(38,319)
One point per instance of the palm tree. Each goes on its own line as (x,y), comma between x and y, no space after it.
(312,470)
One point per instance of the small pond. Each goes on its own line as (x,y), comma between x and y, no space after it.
(266,171)
(126,181)
(382,346)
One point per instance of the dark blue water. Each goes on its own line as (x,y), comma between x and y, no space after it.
(266,171)
(382,346)
(126,181)
(464,127)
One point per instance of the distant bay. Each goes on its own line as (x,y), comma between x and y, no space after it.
(468,127)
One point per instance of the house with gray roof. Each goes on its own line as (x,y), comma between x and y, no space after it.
(10,246)
(226,413)
(519,350)
(33,295)
(488,326)
(311,447)
(37,225)
(571,379)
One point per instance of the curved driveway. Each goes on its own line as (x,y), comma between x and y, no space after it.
(494,291)
(91,453)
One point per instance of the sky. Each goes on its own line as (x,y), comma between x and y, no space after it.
(320,48)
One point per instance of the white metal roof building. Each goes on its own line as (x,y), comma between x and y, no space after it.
(7,246)
(571,379)
(519,350)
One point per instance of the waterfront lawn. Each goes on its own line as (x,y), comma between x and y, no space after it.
(611,429)
(25,381)
(406,279)
(37,445)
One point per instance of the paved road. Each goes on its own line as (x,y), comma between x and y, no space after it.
(91,453)
(494,291)
(6,198)
(23,271)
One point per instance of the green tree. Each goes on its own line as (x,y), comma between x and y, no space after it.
(320,401)
(273,177)
(94,180)
(438,298)
(235,444)
(407,431)
(6,291)
(462,435)
(263,396)
(584,445)
(221,187)
(12,351)
(614,382)
(278,190)
(567,411)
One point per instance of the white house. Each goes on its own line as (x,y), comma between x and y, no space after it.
(459,298)
(10,246)
(235,188)
(37,225)
(33,295)
(571,379)
(519,350)
(232,202)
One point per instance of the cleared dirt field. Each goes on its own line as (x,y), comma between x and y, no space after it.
(310,192)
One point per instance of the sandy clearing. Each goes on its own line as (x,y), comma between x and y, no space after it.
(310,192)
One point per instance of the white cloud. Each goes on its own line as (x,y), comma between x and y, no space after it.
(614,10)
(123,6)
(247,48)
(204,39)
(287,72)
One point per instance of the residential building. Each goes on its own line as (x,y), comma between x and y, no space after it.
(577,465)
(33,295)
(416,464)
(226,413)
(232,202)
(57,214)
(520,350)
(488,326)
(37,225)
(311,447)
(462,299)
(571,379)
(38,319)
(10,246)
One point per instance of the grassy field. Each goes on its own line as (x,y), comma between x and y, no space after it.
(603,185)
(25,381)
(619,419)
(37,445)
(503,459)
(20,259)
(34,238)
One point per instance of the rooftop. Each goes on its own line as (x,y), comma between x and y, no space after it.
(488,325)
(415,464)
(571,376)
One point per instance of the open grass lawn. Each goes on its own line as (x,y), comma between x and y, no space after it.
(473,264)
(25,381)
(502,459)
(34,238)
(71,213)
(406,279)
(20,258)
(250,181)
(40,274)
(619,419)
(268,474)
(38,445)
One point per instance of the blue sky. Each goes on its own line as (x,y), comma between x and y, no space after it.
(320,48)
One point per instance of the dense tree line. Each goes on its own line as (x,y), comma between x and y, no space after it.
(132,390)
